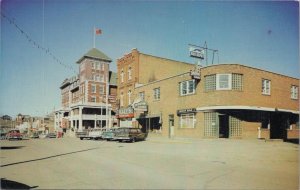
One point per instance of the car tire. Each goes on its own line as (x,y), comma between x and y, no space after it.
(81,138)
(133,140)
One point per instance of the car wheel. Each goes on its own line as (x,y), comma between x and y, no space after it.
(81,138)
(133,140)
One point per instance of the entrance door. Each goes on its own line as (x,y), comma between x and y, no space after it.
(223,126)
(171,125)
(278,125)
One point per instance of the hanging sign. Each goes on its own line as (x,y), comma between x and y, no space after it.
(196,52)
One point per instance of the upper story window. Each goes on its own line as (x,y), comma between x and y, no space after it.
(93,99)
(121,99)
(97,78)
(294,92)
(266,87)
(101,78)
(93,65)
(187,87)
(156,93)
(142,96)
(101,89)
(129,73)
(237,81)
(122,76)
(97,65)
(210,83)
(223,82)
(129,97)
(93,88)
(102,66)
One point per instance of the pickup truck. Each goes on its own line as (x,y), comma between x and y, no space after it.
(96,133)
(130,134)
(82,134)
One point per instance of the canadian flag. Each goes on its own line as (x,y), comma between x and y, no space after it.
(98,31)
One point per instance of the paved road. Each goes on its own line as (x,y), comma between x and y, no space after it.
(69,163)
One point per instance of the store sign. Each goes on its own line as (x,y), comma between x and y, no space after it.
(196,52)
(125,112)
(183,111)
(141,106)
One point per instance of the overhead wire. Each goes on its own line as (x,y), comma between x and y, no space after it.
(35,44)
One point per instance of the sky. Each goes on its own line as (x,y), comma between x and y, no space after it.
(56,33)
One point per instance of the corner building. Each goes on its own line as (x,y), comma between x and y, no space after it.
(222,101)
(88,100)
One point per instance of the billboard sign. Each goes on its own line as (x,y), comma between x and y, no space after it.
(196,52)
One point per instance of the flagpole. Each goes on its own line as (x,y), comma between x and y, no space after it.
(94,31)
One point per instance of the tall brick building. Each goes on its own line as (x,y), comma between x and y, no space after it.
(223,101)
(88,100)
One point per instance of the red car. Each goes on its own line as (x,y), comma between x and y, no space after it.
(14,134)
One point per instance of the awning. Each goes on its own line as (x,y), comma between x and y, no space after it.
(208,108)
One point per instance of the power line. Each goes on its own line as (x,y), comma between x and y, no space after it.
(35,44)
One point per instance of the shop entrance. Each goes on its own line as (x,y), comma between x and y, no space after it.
(278,125)
(223,126)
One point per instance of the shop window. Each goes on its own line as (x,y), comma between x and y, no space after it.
(237,81)
(223,81)
(187,87)
(187,120)
(156,92)
(266,87)
(210,83)
(294,92)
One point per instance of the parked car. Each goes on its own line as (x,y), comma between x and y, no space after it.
(2,134)
(14,134)
(96,133)
(82,134)
(34,136)
(130,134)
(109,134)
(51,135)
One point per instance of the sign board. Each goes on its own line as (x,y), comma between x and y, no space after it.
(141,106)
(196,52)
(189,110)
(125,112)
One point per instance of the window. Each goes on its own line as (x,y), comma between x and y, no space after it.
(101,78)
(122,76)
(97,65)
(237,81)
(97,78)
(129,73)
(187,120)
(223,82)
(93,65)
(266,87)
(129,97)
(93,99)
(210,83)
(294,92)
(156,92)
(102,66)
(142,95)
(122,99)
(187,87)
(101,89)
(93,90)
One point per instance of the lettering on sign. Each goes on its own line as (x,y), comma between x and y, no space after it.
(183,111)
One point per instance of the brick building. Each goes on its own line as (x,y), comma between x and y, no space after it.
(88,100)
(226,100)
(135,69)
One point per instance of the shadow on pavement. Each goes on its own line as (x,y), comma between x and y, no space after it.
(294,141)
(48,157)
(8,184)
(10,147)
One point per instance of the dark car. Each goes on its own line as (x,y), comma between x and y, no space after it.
(14,134)
(130,134)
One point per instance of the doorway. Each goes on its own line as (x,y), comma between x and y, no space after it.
(223,126)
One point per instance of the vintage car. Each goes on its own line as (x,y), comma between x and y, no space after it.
(14,134)
(96,133)
(109,134)
(130,134)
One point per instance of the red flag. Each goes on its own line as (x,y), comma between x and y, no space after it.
(98,31)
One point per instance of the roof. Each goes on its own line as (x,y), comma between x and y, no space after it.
(113,78)
(96,54)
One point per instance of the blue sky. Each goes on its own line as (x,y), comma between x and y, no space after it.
(258,34)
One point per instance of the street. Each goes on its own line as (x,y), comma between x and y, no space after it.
(157,163)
